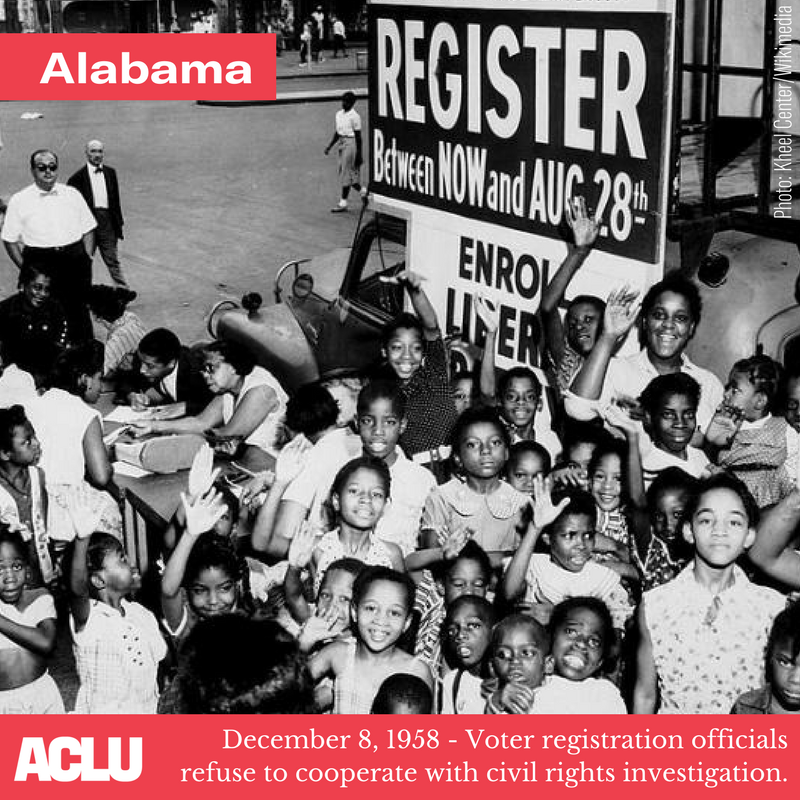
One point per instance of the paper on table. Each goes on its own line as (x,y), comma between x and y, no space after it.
(125,414)
(129,470)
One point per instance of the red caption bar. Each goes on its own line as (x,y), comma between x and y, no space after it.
(221,67)
(399,758)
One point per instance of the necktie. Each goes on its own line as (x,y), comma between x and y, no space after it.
(98,169)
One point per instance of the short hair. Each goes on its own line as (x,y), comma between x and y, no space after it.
(764,373)
(74,364)
(30,270)
(581,504)
(518,373)
(234,664)
(10,418)
(477,415)
(403,689)
(724,480)
(785,628)
(100,545)
(161,344)
(678,284)
(674,383)
(471,551)
(352,566)
(374,574)
(528,447)
(212,552)
(348,97)
(39,152)
(581,432)
(519,620)
(233,353)
(381,389)
(14,538)
(311,410)
(591,300)
(109,302)
(486,611)
(596,605)
(401,322)
(670,479)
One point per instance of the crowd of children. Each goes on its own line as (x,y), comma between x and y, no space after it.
(614,534)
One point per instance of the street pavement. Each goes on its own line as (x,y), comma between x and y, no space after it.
(216,199)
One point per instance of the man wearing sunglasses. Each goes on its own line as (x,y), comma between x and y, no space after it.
(50,222)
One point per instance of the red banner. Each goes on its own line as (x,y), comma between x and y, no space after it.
(221,67)
(399,757)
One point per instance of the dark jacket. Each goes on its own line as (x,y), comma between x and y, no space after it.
(190,385)
(83,183)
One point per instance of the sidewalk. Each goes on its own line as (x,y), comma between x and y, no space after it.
(290,74)
(288,64)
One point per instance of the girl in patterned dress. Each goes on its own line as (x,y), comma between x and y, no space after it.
(383,600)
(358,496)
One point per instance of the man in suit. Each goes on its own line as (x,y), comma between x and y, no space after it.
(165,373)
(99,186)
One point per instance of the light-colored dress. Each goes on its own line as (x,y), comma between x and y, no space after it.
(708,649)
(265,435)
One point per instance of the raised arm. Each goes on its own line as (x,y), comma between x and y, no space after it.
(412,282)
(85,518)
(621,311)
(201,514)
(771,551)
(490,317)
(278,520)
(513,583)
(584,232)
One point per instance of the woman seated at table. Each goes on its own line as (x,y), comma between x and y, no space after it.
(248,407)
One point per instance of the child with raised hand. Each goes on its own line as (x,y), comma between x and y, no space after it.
(781,695)
(518,393)
(542,580)
(482,506)
(415,352)
(569,343)
(358,496)
(467,631)
(764,451)
(27,635)
(526,460)
(660,551)
(202,577)
(670,403)
(519,650)
(582,644)
(329,617)
(23,493)
(580,441)
(703,634)
(117,643)
(383,600)
(381,418)
(403,694)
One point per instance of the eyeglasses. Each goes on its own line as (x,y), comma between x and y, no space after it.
(46,167)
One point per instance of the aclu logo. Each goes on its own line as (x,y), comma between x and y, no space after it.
(68,759)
